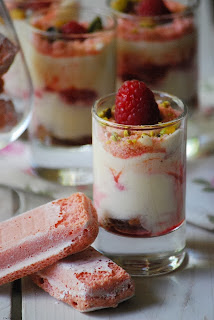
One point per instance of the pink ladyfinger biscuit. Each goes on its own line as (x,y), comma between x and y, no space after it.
(87,281)
(40,237)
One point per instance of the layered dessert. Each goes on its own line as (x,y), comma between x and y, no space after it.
(139,162)
(157,44)
(72,64)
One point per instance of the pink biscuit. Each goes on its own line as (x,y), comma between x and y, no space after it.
(87,281)
(40,237)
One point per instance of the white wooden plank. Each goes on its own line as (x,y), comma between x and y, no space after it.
(38,304)
(184,294)
(7,206)
(5,302)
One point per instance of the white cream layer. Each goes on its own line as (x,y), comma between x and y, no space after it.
(64,121)
(147,192)
(90,71)
(180,82)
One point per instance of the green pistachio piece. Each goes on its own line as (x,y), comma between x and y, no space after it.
(126,133)
(95,25)
(144,135)
(115,137)
(165,104)
(132,141)
(168,130)
(119,5)
(147,23)
(105,114)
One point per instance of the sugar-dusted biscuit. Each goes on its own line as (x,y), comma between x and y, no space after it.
(87,281)
(38,238)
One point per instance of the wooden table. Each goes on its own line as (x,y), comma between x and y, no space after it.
(187,293)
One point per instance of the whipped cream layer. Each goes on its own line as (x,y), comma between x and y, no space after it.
(146,187)
(62,120)
(85,71)
(53,75)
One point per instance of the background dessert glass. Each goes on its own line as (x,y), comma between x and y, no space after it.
(161,50)
(69,72)
(139,190)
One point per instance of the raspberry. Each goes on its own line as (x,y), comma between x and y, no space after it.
(136,105)
(73,27)
(152,8)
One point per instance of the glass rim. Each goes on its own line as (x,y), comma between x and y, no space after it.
(190,8)
(104,12)
(161,125)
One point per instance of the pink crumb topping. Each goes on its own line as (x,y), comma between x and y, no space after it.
(66,45)
(125,146)
(131,30)
(168,114)
(135,30)
(72,47)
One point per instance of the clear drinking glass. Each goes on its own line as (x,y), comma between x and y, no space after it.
(139,189)
(16,92)
(161,50)
(69,71)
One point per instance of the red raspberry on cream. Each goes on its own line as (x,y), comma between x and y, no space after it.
(136,105)
(151,8)
(73,27)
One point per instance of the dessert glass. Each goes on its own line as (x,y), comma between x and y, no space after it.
(139,189)
(19,11)
(162,50)
(69,72)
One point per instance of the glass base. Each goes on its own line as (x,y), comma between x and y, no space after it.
(12,203)
(68,166)
(153,265)
(200,139)
(66,177)
(144,256)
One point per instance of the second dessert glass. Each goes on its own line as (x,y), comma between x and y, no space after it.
(139,189)
(72,64)
(161,50)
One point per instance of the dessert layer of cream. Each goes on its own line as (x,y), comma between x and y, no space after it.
(83,71)
(147,187)
(53,76)
(61,120)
